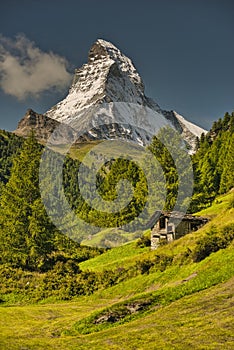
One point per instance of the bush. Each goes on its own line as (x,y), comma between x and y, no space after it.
(143,241)
(144,266)
(213,241)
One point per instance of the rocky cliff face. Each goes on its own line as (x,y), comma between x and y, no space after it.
(42,125)
(106,100)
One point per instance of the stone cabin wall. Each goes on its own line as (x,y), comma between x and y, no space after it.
(167,228)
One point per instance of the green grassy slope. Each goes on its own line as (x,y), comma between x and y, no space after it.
(201,321)
(219,214)
(182,304)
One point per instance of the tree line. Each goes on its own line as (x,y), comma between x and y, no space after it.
(28,238)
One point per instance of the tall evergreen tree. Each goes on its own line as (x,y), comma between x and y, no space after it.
(214,163)
(26,234)
(227,178)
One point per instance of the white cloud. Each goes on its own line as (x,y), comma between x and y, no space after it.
(25,70)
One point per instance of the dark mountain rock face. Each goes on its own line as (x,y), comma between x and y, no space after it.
(42,125)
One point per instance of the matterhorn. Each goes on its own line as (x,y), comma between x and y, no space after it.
(106,100)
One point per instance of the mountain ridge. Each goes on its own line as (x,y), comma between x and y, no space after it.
(106,100)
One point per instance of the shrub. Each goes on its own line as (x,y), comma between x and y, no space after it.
(144,241)
(144,266)
(213,241)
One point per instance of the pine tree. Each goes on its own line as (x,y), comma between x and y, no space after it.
(227,178)
(26,232)
(170,150)
(214,163)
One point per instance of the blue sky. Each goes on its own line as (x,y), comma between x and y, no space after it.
(183,49)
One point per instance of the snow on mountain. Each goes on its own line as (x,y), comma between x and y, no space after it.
(190,131)
(107,100)
(194,129)
(109,76)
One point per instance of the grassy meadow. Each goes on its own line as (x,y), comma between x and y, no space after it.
(175,303)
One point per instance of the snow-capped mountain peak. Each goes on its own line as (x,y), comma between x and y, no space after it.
(103,49)
(109,76)
(107,100)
